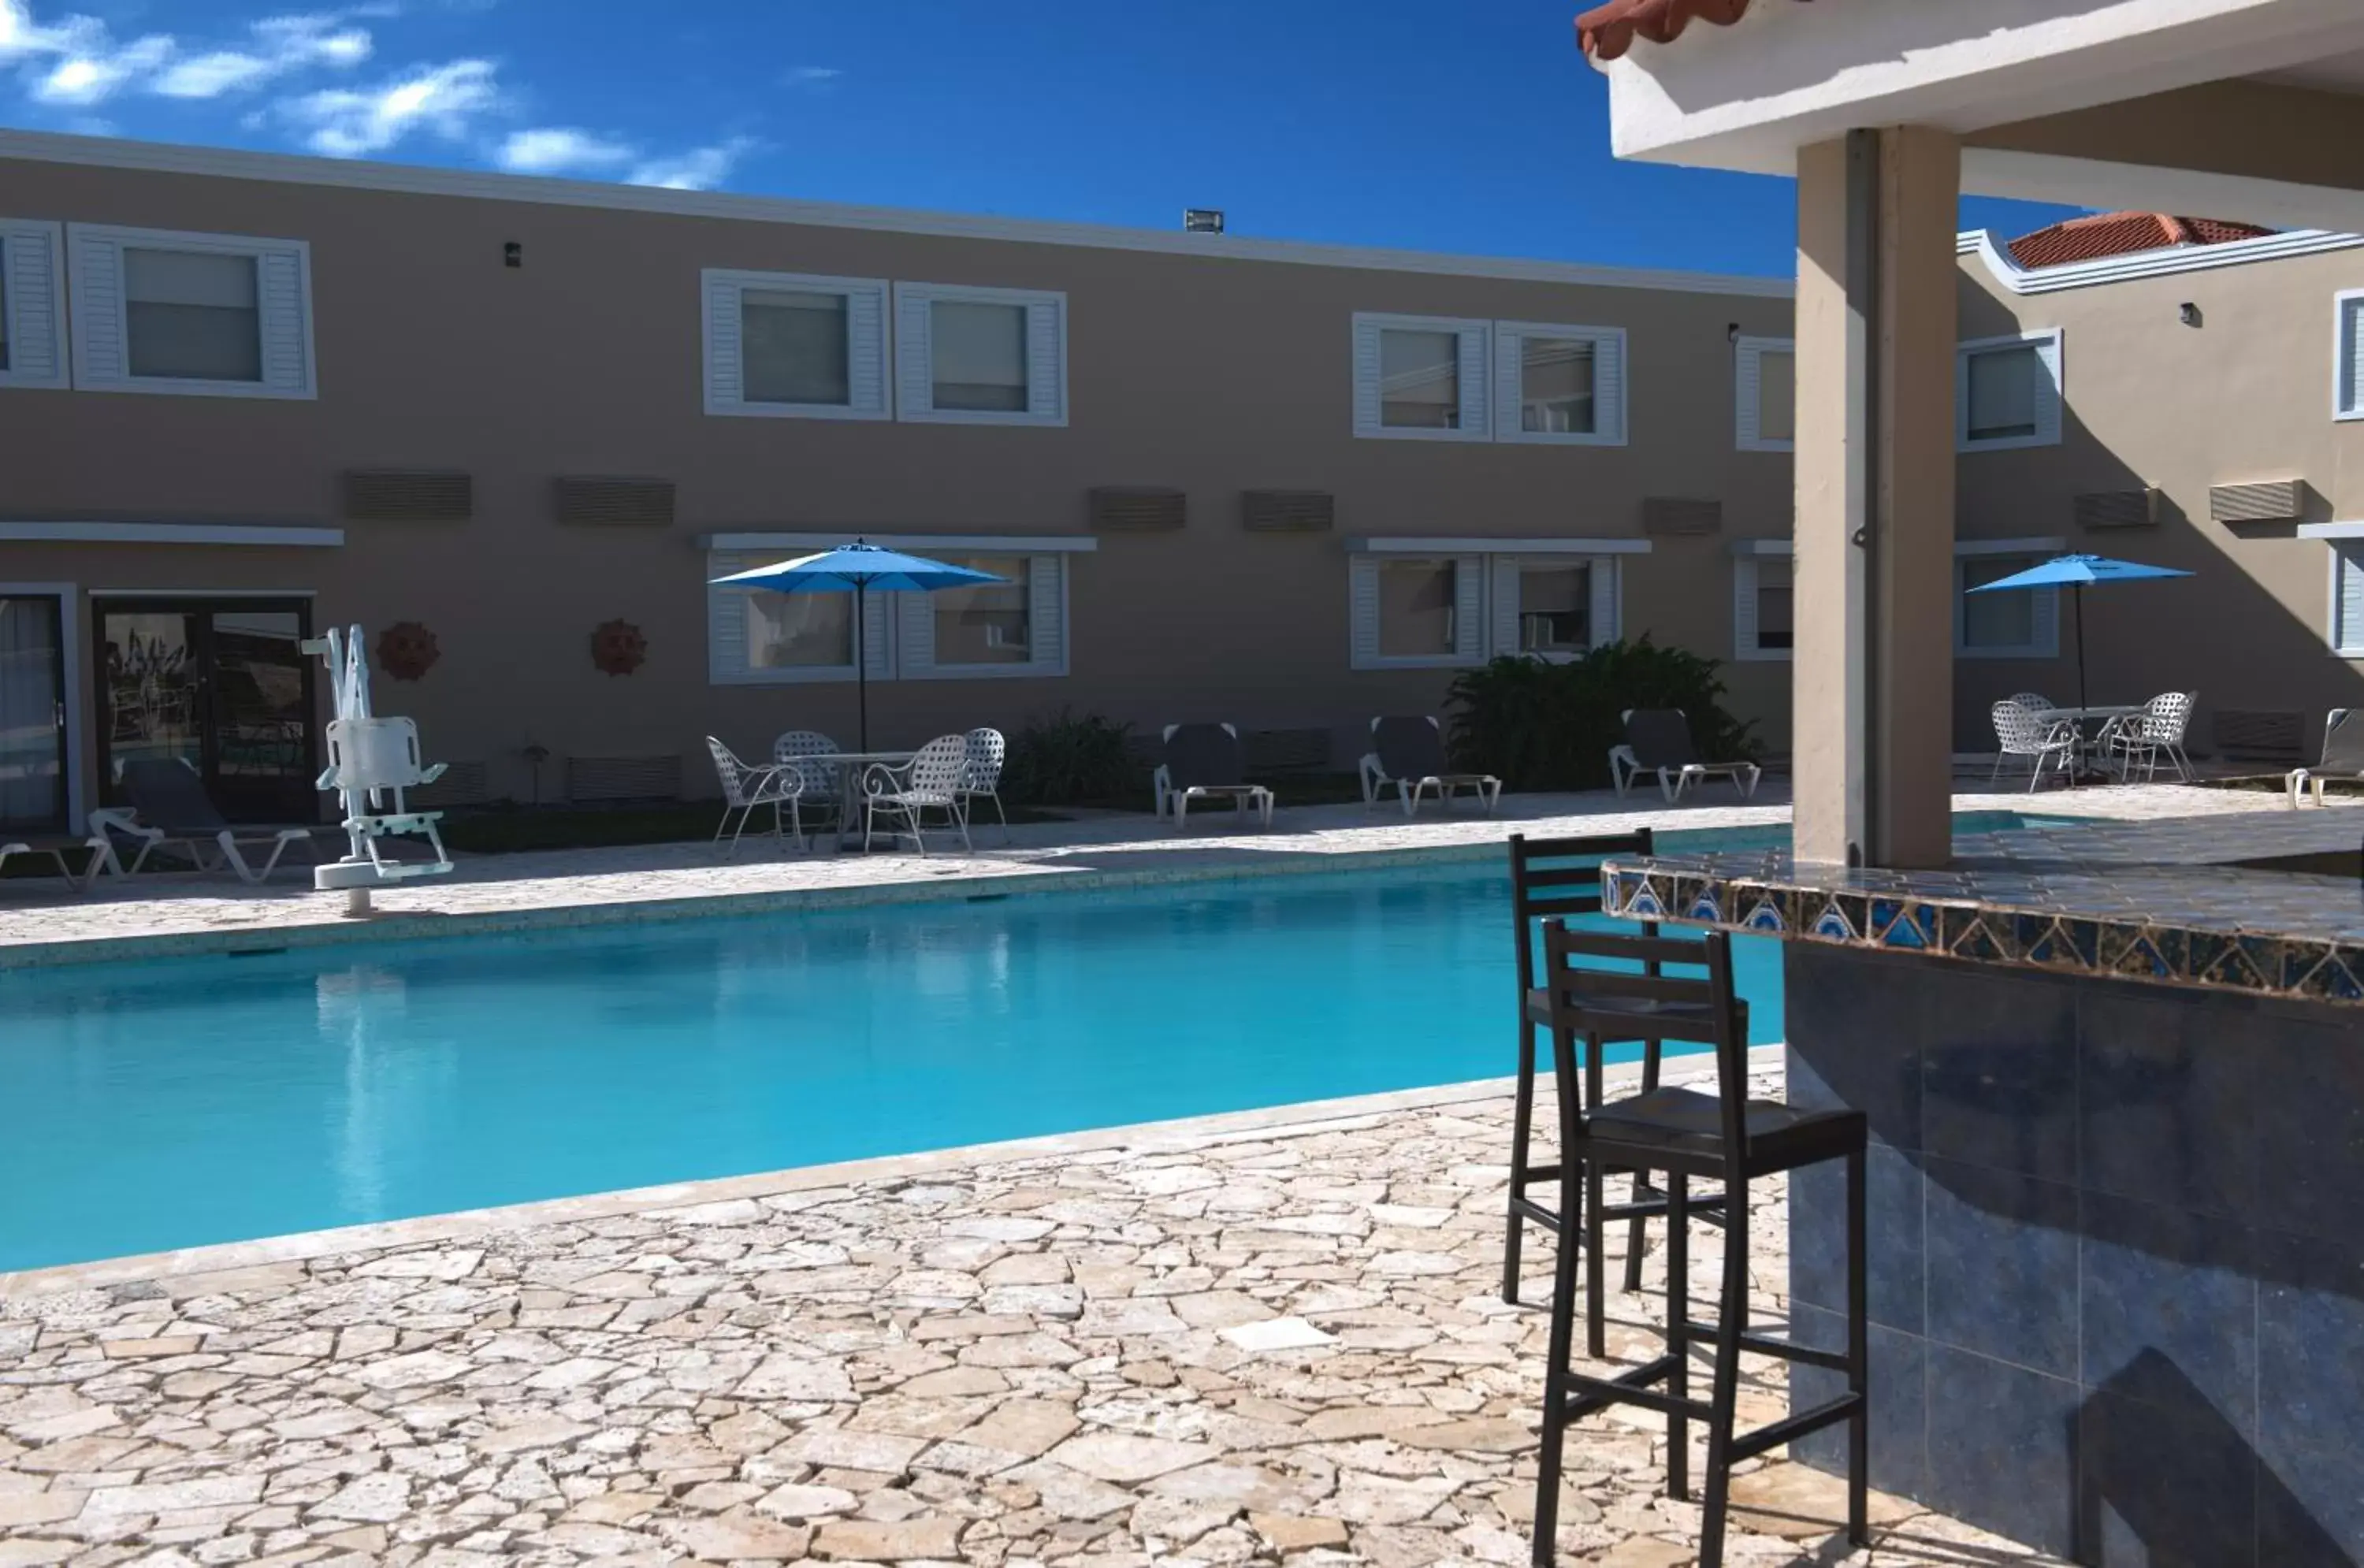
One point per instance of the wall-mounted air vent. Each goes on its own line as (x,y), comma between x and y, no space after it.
(408,495)
(614,502)
(2270,500)
(1137,508)
(2117,508)
(1675,515)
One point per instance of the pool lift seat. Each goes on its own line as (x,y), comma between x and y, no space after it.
(372,762)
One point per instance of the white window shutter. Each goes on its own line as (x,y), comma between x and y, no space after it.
(725,375)
(2347,600)
(1046,613)
(915,631)
(1744,609)
(1363,610)
(1748,378)
(866,349)
(1367,377)
(98,349)
(33,293)
(2351,356)
(878,634)
(1474,358)
(286,320)
(1609,389)
(2044,624)
(1509,383)
(2049,392)
(1046,362)
(1606,618)
(726,623)
(1506,605)
(1469,607)
(914,375)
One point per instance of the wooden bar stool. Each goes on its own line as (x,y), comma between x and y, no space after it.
(1684,1133)
(1552,879)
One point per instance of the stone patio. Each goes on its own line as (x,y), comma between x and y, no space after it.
(1241,1340)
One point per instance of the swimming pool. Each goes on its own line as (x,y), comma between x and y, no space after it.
(174,1102)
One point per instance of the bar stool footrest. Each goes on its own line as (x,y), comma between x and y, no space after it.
(1781,1350)
(1748,1445)
(1632,1387)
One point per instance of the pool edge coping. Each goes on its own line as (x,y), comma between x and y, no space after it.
(1301,1119)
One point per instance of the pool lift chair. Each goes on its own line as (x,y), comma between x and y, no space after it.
(372,762)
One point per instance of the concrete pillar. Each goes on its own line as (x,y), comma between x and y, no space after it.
(1873,667)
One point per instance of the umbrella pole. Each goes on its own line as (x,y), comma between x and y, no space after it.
(862,671)
(2078,591)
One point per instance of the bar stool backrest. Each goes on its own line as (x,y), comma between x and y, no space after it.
(1554,878)
(1641,960)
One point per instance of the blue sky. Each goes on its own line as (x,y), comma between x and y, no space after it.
(1472,127)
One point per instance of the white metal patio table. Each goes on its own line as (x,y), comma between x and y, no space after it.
(2080,717)
(850,766)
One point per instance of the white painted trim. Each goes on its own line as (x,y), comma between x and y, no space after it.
(205,593)
(1748,400)
(69,597)
(1397,544)
(1610,424)
(2010,546)
(168,533)
(1366,351)
(1762,547)
(739,282)
(2345,641)
(2330,530)
(913,411)
(992,544)
(1746,583)
(2050,359)
(1996,257)
(2346,322)
(18,231)
(49,146)
(255,246)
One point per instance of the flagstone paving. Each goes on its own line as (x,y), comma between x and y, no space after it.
(1281,1346)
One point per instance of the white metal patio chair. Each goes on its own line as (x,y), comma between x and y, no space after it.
(2140,739)
(987,751)
(2342,756)
(2044,741)
(930,781)
(817,785)
(745,788)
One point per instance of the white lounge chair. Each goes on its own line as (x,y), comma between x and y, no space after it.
(1205,761)
(2342,756)
(747,788)
(930,781)
(169,808)
(1658,740)
(1408,751)
(2045,739)
(53,848)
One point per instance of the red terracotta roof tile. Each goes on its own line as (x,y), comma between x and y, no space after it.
(2122,233)
(1607,31)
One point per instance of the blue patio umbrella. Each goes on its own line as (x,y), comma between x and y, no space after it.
(2076,571)
(857,569)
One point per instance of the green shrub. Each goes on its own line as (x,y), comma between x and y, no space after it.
(1538,725)
(1067,760)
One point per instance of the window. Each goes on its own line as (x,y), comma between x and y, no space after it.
(788,345)
(1422,602)
(1764,387)
(1561,385)
(209,315)
(2348,356)
(1764,607)
(2007,392)
(32,305)
(2348,599)
(2015,623)
(1013,627)
(1420,378)
(980,355)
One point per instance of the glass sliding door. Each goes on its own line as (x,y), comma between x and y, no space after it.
(32,715)
(221,685)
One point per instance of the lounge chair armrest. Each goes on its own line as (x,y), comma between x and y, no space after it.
(124,820)
(428,775)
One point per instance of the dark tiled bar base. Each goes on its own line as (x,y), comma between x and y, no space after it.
(2117,1255)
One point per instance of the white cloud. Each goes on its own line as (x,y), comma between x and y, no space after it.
(279,45)
(558,150)
(92,75)
(76,60)
(701,168)
(811,76)
(345,123)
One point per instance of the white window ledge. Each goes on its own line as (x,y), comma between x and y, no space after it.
(1746,547)
(169,533)
(1391,545)
(2330,530)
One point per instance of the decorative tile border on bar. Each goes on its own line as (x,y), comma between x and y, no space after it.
(2171,902)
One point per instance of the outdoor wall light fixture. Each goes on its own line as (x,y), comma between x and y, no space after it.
(512,254)
(2187,312)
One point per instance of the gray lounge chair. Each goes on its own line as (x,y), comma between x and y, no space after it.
(1658,740)
(1408,751)
(52,847)
(170,807)
(1205,761)
(2342,756)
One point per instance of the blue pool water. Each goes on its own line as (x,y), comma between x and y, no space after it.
(176,1103)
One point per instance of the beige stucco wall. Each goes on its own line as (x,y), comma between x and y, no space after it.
(1213,374)
(2245,395)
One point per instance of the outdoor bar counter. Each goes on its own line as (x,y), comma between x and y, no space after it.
(2114,1076)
